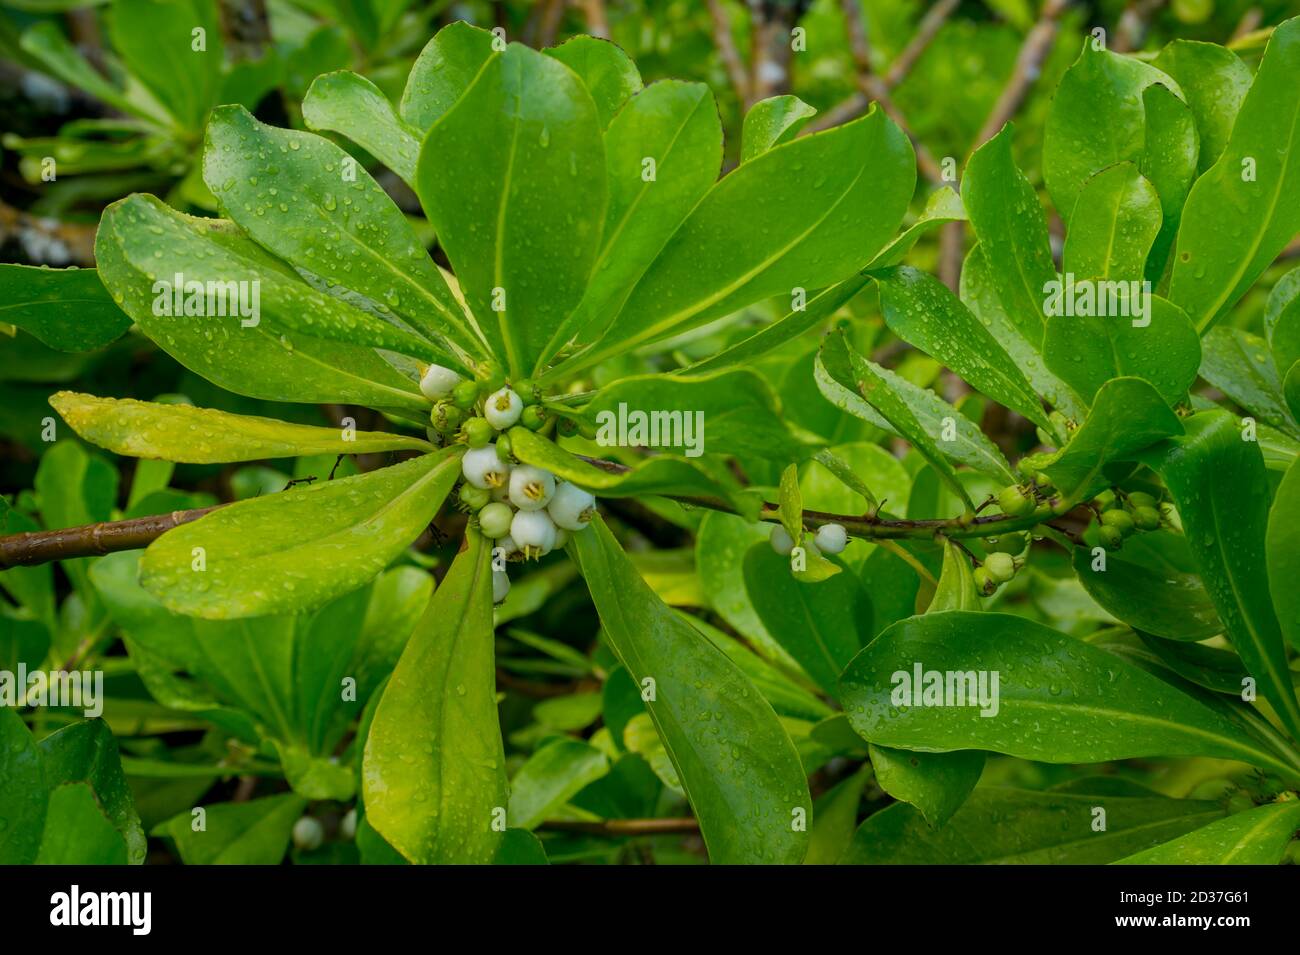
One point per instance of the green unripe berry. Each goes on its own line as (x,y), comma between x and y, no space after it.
(446,418)
(984,583)
(477,432)
(1146,518)
(474,498)
(534,417)
(491,374)
(1012,543)
(465,394)
(1000,567)
(1121,520)
(494,520)
(527,390)
(1014,501)
(1140,499)
(504,451)
(1111,538)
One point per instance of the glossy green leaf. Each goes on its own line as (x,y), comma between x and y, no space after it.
(956,589)
(86,752)
(943,206)
(1115,221)
(1257,836)
(1282,549)
(345,231)
(608,73)
(922,311)
(935,783)
(739,768)
(1282,321)
(550,777)
(731,412)
(155,39)
(771,122)
(445,68)
(821,625)
(298,350)
(236,833)
(1127,416)
(512,178)
(47,44)
(676,125)
(1058,700)
(75,488)
(863,388)
(298,548)
(520,847)
(790,503)
(1215,82)
(1246,207)
(1168,161)
(1239,364)
(745,241)
(1086,351)
(1157,599)
(23,797)
(1220,487)
(351,105)
(1015,826)
(434,768)
(835,818)
(77,832)
(67,309)
(186,434)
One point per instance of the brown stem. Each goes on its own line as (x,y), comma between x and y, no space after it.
(627,827)
(597,21)
(91,540)
(727,51)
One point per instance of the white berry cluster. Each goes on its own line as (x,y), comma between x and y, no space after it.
(829,539)
(523,509)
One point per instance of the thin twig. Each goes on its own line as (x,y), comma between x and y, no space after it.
(91,540)
(627,827)
(597,21)
(1133,22)
(727,51)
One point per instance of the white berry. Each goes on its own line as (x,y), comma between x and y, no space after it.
(561,538)
(781,541)
(503,408)
(533,532)
(308,833)
(531,489)
(500,585)
(438,382)
(348,826)
(483,468)
(831,538)
(571,508)
(506,546)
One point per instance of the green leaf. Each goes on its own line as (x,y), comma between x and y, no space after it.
(443,71)
(1238,363)
(790,504)
(1215,82)
(23,797)
(731,412)
(1234,227)
(520,847)
(1282,550)
(821,625)
(155,40)
(550,777)
(75,488)
(1282,321)
(345,231)
(835,817)
(862,388)
(46,43)
(434,767)
(351,105)
(661,474)
(956,589)
(1127,416)
(77,832)
(1168,160)
(309,545)
(943,206)
(739,768)
(513,180)
(1086,351)
(237,833)
(1257,836)
(1220,487)
(189,435)
(67,309)
(86,752)
(676,125)
(935,783)
(772,122)
(299,348)
(1157,599)
(1020,827)
(1058,700)
(767,228)
(608,73)
(922,311)
(1115,221)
